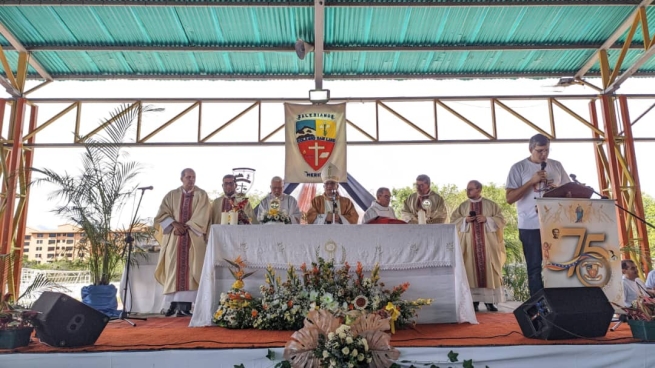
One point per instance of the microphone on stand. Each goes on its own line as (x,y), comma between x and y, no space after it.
(146,188)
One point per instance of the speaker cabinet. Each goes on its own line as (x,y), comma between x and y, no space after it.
(565,313)
(66,322)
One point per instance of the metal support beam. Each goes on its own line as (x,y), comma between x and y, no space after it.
(619,179)
(319,29)
(639,232)
(25,179)
(612,39)
(18,46)
(327,48)
(10,217)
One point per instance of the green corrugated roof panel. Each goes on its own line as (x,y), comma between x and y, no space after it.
(173,63)
(389,26)
(454,62)
(170,26)
(345,26)
(12,58)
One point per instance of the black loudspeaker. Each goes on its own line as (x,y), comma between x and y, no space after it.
(66,322)
(563,313)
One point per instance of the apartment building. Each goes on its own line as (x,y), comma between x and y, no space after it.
(47,246)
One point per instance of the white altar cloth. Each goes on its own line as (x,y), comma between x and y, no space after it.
(144,294)
(427,256)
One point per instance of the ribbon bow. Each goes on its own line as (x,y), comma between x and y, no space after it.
(394,314)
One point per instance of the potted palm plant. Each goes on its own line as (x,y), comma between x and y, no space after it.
(92,198)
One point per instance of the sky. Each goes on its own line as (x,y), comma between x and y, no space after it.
(372,166)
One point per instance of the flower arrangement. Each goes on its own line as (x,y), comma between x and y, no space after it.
(239,204)
(642,309)
(348,295)
(324,341)
(237,308)
(274,215)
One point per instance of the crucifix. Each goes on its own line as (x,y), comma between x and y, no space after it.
(316,148)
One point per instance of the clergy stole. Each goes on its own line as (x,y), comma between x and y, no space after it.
(184,245)
(480,254)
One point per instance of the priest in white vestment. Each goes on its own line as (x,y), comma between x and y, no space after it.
(181,228)
(331,208)
(288,204)
(380,207)
(435,213)
(228,200)
(480,225)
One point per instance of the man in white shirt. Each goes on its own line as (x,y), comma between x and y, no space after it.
(632,285)
(528,179)
(288,204)
(380,207)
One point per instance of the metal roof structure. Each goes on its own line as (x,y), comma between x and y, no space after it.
(353,39)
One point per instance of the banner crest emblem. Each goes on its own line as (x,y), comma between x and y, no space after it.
(316,139)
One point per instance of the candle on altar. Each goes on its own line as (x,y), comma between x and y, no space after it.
(225,218)
(234,217)
(421,217)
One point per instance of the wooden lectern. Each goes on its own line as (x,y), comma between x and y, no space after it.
(570,190)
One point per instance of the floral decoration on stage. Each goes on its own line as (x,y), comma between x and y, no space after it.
(345,294)
(239,204)
(237,308)
(324,341)
(276,216)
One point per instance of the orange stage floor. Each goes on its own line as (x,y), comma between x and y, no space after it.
(495,329)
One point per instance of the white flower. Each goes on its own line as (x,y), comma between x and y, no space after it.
(368,360)
(365,343)
(313,295)
(354,353)
(360,357)
(325,354)
(331,336)
(345,350)
(350,365)
(327,298)
(342,335)
(349,340)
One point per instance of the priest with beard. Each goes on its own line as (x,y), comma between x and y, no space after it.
(380,207)
(480,224)
(181,228)
(228,200)
(330,208)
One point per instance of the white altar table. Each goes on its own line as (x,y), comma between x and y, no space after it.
(426,256)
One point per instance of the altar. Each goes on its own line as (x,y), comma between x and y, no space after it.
(427,256)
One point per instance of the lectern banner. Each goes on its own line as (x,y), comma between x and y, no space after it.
(580,244)
(315,135)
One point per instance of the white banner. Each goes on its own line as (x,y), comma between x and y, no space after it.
(580,244)
(314,136)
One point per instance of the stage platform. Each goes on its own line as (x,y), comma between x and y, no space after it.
(169,342)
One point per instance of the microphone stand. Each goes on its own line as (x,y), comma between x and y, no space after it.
(129,240)
(573,177)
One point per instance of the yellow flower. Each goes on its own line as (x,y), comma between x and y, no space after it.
(272,212)
(238,284)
